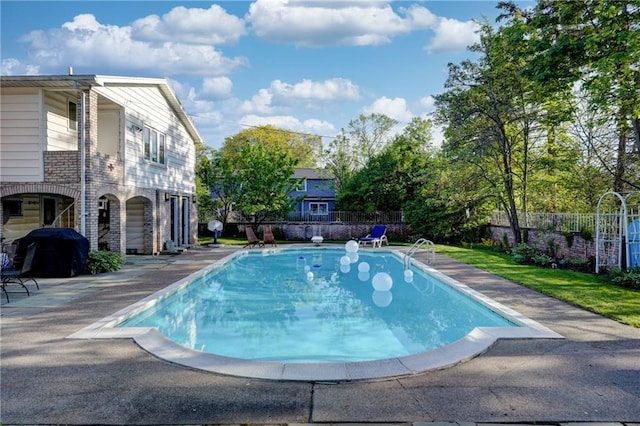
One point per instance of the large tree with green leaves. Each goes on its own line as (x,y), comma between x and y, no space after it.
(256,174)
(303,148)
(491,114)
(394,175)
(595,43)
(350,151)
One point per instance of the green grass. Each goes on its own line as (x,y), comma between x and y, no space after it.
(588,291)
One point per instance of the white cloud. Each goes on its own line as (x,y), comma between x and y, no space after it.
(217,87)
(394,108)
(327,90)
(312,126)
(85,42)
(12,66)
(260,103)
(309,23)
(211,26)
(452,35)
(427,103)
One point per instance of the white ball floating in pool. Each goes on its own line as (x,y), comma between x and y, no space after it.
(382,281)
(382,299)
(310,276)
(351,246)
(408,275)
(344,260)
(363,267)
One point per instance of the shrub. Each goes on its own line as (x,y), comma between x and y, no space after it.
(103,261)
(523,253)
(542,259)
(629,279)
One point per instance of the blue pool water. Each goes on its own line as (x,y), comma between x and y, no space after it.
(315,305)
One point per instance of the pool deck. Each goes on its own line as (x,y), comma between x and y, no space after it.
(593,375)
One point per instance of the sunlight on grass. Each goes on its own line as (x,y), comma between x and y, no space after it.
(588,291)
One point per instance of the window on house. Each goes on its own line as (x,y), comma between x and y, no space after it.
(154,145)
(321,209)
(301,186)
(72,117)
(12,207)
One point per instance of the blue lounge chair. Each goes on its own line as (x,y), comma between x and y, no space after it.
(376,237)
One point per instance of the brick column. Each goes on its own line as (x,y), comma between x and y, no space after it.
(91,144)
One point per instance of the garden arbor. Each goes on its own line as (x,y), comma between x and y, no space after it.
(618,231)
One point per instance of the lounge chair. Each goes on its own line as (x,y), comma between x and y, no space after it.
(252,240)
(22,275)
(376,237)
(267,237)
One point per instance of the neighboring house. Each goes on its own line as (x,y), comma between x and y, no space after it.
(112,157)
(316,194)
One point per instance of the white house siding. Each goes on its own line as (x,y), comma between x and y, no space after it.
(145,106)
(135,225)
(109,131)
(20,135)
(59,137)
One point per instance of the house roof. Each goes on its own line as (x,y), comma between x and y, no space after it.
(310,173)
(92,80)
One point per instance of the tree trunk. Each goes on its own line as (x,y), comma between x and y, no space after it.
(618,177)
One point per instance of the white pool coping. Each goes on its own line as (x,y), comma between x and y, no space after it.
(473,344)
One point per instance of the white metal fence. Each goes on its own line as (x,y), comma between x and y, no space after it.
(563,222)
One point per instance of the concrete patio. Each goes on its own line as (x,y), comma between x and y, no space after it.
(593,375)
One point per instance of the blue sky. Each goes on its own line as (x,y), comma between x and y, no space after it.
(305,65)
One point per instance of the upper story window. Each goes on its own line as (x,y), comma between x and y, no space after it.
(301,186)
(154,144)
(72,116)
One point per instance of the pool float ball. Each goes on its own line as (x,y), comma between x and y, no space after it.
(351,246)
(408,275)
(382,299)
(363,267)
(344,260)
(310,276)
(353,256)
(382,281)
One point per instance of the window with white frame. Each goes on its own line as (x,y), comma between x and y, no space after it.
(321,209)
(301,185)
(154,145)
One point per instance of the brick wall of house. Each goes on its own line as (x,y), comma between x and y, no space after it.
(62,167)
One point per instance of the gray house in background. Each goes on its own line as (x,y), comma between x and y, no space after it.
(316,194)
(112,157)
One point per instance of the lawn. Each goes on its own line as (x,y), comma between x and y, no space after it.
(588,291)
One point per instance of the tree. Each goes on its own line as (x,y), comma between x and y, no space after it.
(393,176)
(491,113)
(206,179)
(596,43)
(304,148)
(350,151)
(369,134)
(256,175)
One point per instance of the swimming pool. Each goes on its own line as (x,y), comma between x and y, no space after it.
(317,314)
